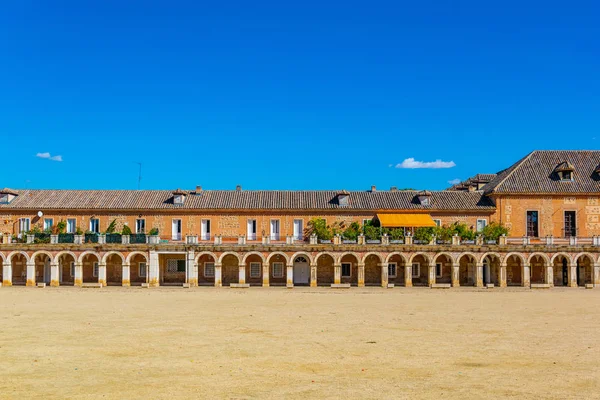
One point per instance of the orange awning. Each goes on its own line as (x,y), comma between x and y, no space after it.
(405,220)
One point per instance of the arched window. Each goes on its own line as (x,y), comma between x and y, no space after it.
(300,259)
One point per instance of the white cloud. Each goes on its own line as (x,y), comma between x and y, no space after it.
(410,163)
(49,156)
(455,181)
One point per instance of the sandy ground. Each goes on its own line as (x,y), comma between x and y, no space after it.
(299,344)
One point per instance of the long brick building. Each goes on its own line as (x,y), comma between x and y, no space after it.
(548,201)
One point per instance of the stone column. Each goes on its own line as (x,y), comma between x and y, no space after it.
(384,275)
(573,275)
(192,271)
(408,275)
(361,275)
(479,275)
(596,275)
(78,274)
(526,275)
(218,275)
(337,274)
(503,276)
(455,275)
(242,274)
(126,279)
(153,270)
(431,276)
(54,275)
(102,273)
(30,273)
(550,275)
(265,274)
(7,273)
(313,275)
(290,276)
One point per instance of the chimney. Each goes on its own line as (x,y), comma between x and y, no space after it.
(394,189)
(198,189)
(373,188)
(238,188)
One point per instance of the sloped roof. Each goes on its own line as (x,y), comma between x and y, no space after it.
(243,200)
(479,178)
(536,173)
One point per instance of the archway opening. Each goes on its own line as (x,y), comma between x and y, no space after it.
(420,270)
(349,270)
(138,270)
(325,270)
(537,267)
(443,269)
(230,269)
(585,270)
(66,269)
(254,270)
(396,266)
(206,270)
(43,271)
(173,268)
(560,267)
(514,271)
(491,270)
(467,270)
(277,270)
(114,270)
(301,271)
(19,269)
(90,265)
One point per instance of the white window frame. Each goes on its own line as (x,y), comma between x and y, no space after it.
(259,269)
(349,270)
(275,236)
(485,222)
(395,266)
(46,223)
(4,198)
(205,235)
(69,230)
(143,274)
(137,225)
(178,199)
(418,266)
(97,225)
(252,235)
(276,265)
(208,265)
(95,269)
(72,268)
(22,225)
(178,235)
(301,233)
(441,265)
(438,222)
(365,221)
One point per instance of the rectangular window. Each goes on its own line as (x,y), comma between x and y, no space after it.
(251,229)
(254,270)
(416,270)
(180,265)
(140,226)
(438,270)
(142,271)
(481,223)
(4,198)
(172,266)
(48,222)
(532,224)
(346,268)
(438,222)
(95,272)
(71,225)
(392,270)
(298,229)
(277,270)
(274,229)
(209,269)
(176,229)
(570,224)
(205,229)
(95,225)
(24,225)
(72,269)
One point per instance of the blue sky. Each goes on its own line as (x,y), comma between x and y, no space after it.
(270,95)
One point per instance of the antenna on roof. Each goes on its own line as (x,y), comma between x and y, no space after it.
(139,175)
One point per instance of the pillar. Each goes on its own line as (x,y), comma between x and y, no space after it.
(361,275)
(313,275)
(7,273)
(337,274)
(455,275)
(218,275)
(503,276)
(242,274)
(265,274)
(153,270)
(191,268)
(479,275)
(431,275)
(290,276)
(30,273)
(550,275)
(384,275)
(408,275)
(126,279)
(78,274)
(596,275)
(526,275)
(573,275)
(54,275)
(102,273)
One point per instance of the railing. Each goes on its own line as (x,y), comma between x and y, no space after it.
(66,238)
(113,238)
(137,238)
(176,237)
(91,238)
(567,233)
(41,238)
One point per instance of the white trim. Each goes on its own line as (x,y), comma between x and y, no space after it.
(209,274)
(21,223)
(74,225)
(441,270)
(259,269)
(395,264)
(275,236)
(178,235)
(206,234)
(349,270)
(251,235)
(418,265)
(477,224)
(137,230)
(278,263)
(97,225)
(51,223)
(438,222)
(301,234)
(563,222)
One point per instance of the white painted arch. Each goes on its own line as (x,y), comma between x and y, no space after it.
(319,255)
(110,253)
(516,254)
(565,255)
(13,253)
(396,253)
(303,254)
(44,252)
(348,253)
(593,260)
(62,253)
(279,253)
(448,256)
(136,253)
(206,253)
(86,253)
(229,253)
(544,257)
(425,255)
(372,253)
(467,253)
(255,253)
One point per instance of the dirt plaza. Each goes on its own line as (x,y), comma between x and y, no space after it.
(208,342)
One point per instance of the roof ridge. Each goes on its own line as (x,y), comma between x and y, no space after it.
(516,166)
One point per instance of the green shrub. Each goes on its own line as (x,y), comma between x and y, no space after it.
(352,231)
(463,231)
(319,227)
(78,231)
(61,227)
(424,234)
(153,232)
(126,230)
(112,226)
(493,231)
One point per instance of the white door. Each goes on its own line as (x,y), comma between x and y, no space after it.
(176,229)
(251,231)
(274,229)
(71,225)
(301,273)
(205,229)
(298,234)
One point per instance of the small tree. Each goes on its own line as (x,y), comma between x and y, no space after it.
(424,234)
(395,233)
(61,227)
(352,231)
(78,231)
(126,230)
(112,227)
(319,227)
(153,232)
(463,231)
(493,231)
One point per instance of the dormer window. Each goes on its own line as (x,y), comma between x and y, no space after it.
(565,171)
(424,198)
(343,198)
(7,195)
(178,197)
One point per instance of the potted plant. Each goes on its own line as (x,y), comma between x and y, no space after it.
(153,237)
(125,234)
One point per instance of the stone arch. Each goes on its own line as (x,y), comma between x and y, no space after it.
(131,255)
(538,272)
(490,253)
(467,253)
(584,254)
(544,256)
(448,256)
(518,255)
(322,254)
(396,253)
(23,253)
(256,253)
(349,253)
(228,253)
(3,257)
(303,254)
(325,263)
(467,269)
(61,253)
(287,259)
(37,253)
(110,253)
(87,253)
(382,259)
(425,256)
(565,255)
